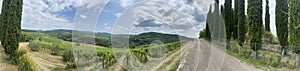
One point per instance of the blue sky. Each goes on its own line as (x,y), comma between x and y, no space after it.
(187,17)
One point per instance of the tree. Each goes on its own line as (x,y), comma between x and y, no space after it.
(208,24)
(222,10)
(282,24)
(235,20)
(241,22)
(255,24)
(294,27)
(228,12)
(267,19)
(11,25)
(207,32)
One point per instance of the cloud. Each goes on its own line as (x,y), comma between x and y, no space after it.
(183,16)
(83,16)
(35,16)
(126,3)
(54,14)
(118,14)
(149,23)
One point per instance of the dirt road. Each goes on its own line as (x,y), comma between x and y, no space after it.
(45,62)
(205,57)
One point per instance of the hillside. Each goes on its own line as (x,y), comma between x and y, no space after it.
(104,39)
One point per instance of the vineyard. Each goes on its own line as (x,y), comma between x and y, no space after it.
(108,56)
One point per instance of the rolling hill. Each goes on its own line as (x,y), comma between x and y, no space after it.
(104,39)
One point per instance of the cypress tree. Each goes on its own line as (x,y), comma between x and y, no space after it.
(207,32)
(216,21)
(208,22)
(228,12)
(11,21)
(267,19)
(282,24)
(294,27)
(255,25)
(241,22)
(235,20)
(222,10)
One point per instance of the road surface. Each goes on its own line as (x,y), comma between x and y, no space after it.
(205,57)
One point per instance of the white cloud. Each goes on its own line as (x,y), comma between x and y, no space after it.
(45,15)
(180,15)
(126,3)
(118,14)
(83,16)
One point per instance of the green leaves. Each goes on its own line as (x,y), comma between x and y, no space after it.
(294,29)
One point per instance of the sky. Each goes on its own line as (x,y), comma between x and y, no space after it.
(183,17)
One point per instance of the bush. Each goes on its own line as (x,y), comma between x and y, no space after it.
(25,64)
(24,61)
(69,58)
(34,45)
(45,45)
(268,38)
(55,49)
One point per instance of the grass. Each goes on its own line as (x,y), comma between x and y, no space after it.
(261,61)
(247,60)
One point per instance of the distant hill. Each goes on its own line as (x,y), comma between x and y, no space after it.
(104,39)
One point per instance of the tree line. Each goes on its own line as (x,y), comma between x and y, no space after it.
(242,28)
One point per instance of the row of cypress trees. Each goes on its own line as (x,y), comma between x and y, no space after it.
(238,25)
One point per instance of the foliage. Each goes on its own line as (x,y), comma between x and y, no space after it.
(294,26)
(282,23)
(55,50)
(106,56)
(24,61)
(228,14)
(241,22)
(34,45)
(269,38)
(255,24)
(236,19)
(205,34)
(104,39)
(30,36)
(147,38)
(11,25)
(69,57)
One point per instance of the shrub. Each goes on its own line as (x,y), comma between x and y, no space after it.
(25,64)
(34,45)
(69,57)
(268,38)
(55,49)
(24,61)
(45,45)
